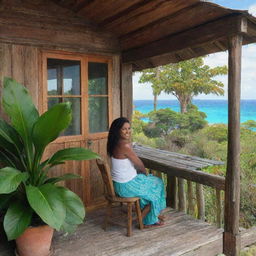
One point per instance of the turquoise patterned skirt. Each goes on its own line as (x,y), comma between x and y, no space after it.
(151,191)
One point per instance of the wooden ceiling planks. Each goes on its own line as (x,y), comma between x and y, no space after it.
(146,14)
(205,33)
(157,32)
(195,15)
(73,5)
(100,10)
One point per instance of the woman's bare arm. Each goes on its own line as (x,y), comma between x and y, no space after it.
(129,153)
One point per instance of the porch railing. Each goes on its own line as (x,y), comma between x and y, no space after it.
(185,180)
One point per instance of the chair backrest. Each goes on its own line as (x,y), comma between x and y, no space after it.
(106,176)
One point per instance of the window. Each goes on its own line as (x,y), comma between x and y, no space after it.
(63,77)
(98,96)
(83,81)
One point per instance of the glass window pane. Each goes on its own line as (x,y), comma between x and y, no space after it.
(53,88)
(98,114)
(63,77)
(98,78)
(71,82)
(75,125)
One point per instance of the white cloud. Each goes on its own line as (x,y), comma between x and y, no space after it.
(252,9)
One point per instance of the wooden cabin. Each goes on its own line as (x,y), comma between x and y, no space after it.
(85,51)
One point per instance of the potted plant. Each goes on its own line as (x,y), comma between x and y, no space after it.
(28,195)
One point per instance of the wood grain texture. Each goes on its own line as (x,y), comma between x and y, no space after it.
(5,69)
(196,15)
(116,88)
(126,91)
(180,236)
(42,24)
(202,34)
(145,15)
(232,185)
(181,166)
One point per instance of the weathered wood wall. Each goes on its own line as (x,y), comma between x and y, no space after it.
(30,27)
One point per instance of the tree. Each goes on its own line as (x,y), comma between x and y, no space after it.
(151,76)
(162,122)
(190,78)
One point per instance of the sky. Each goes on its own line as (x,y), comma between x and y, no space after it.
(248,77)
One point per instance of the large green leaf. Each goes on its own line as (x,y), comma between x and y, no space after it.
(51,124)
(17,219)
(47,202)
(66,176)
(75,211)
(10,135)
(18,104)
(10,179)
(73,154)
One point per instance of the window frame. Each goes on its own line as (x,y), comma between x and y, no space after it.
(84,96)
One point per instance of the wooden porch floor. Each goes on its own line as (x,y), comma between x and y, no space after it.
(181,235)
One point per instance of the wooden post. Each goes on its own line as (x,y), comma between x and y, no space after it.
(231,236)
(126,91)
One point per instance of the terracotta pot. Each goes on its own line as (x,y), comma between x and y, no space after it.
(35,241)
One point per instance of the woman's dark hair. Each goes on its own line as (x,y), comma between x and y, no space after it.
(114,133)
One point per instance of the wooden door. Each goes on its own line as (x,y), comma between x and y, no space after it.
(86,82)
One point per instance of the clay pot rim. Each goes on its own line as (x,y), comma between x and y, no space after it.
(50,253)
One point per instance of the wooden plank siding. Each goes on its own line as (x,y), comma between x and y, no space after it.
(25,23)
(27,32)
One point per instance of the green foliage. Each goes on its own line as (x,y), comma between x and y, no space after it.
(250,251)
(190,78)
(250,124)
(216,132)
(137,123)
(26,191)
(193,119)
(163,120)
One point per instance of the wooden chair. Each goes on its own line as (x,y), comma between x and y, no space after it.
(113,199)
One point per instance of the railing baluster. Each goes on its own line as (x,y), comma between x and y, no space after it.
(200,201)
(171,190)
(190,198)
(218,208)
(182,195)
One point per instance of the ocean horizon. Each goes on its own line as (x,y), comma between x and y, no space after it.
(216,110)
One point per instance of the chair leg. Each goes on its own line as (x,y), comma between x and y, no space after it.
(108,214)
(138,211)
(129,215)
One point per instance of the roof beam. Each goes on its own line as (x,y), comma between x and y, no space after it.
(205,33)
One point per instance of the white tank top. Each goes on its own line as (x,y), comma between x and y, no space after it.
(122,170)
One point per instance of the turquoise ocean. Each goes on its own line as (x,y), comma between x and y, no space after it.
(216,110)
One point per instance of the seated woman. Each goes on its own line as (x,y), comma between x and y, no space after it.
(127,182)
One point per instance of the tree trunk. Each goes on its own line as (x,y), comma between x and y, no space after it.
(184,100)
(155,102)
(183,107)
